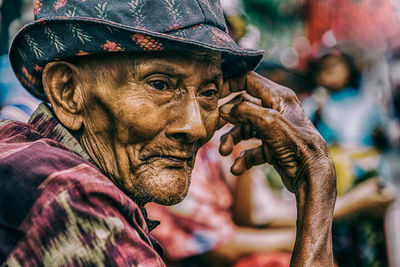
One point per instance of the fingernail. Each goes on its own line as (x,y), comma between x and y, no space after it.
(227,108)
(223,138)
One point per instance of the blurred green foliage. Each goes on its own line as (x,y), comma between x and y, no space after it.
(278,21)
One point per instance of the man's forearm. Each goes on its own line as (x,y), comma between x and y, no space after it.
(313,246)
(297,151)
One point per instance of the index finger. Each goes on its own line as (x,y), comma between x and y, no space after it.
(234,84)
(254,84)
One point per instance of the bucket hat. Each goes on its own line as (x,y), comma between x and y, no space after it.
(65,29)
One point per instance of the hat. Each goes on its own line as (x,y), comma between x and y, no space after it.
(69,28)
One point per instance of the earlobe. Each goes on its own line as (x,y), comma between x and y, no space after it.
(61,83)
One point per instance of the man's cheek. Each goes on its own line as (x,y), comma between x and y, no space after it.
(211,122)
(147,125)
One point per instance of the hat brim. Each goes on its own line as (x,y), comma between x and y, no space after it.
(62,38)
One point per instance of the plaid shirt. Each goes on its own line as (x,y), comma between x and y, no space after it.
(58,209)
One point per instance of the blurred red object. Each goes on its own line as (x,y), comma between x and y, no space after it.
(371,24)
(318,20)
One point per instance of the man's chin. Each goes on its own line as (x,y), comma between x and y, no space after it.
(168,187)
(163,199)
(169,201)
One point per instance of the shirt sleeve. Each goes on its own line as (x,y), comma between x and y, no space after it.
(82,219)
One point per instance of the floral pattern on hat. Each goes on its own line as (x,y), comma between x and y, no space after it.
(37,4)
(80,34)
(54,39)
(147,43)
(110,46)
(59,4)
(136,8)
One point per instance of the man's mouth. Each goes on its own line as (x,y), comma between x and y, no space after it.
(173,161)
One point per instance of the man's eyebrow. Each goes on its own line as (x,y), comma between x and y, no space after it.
(170,69)
(215,76)
(161,67)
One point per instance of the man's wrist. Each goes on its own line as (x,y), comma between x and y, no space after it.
(316,196)
(321,177)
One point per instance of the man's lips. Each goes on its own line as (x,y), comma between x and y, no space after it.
(174,160)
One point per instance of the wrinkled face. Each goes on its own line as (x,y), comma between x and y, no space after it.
(146,117)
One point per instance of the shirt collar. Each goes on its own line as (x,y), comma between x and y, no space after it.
(151,224)
(45,122)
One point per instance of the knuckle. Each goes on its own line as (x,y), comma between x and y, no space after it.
(287,92)
(272,115)
(288,95)
(274,120)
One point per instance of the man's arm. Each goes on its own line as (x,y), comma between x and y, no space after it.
(294,147)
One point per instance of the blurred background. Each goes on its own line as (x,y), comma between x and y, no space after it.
(342,58)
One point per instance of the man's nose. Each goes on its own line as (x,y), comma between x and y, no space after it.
(188,125)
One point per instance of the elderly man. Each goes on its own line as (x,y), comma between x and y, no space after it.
(133,88)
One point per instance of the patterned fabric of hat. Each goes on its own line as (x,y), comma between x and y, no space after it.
(68,28)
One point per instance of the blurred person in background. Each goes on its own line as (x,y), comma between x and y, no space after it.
(337,95)
(353,125)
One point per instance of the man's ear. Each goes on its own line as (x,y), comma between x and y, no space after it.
(63,88)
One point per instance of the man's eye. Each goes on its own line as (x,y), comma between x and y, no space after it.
(210,93)
(159,85)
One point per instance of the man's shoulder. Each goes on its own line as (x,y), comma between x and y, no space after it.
(27,160)
(10,129)
(27,156)
(32,166)
(15,134)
